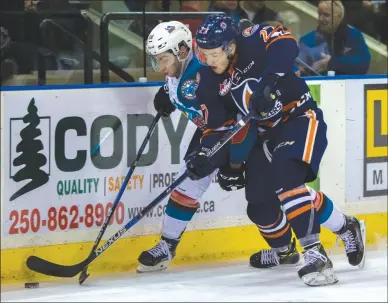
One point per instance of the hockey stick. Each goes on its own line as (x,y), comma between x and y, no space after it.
(84,274)
(97,147)
(307,66)
(66,271)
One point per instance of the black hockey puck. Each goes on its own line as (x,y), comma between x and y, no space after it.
(31,285)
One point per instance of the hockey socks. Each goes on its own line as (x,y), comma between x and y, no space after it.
(298,207)
(329,215)
(180,210)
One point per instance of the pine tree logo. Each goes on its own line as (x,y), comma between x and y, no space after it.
(30,157)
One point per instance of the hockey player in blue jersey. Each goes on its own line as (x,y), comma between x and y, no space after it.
(257,65)
(170,47)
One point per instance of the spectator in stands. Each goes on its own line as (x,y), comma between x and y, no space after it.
(257,12)
(191,6)
(61,50)
(8,67)
(14,25)
(364,15)
(253,10)
(349,54)
(382,22)
(138,6)
(360,14)
(21,58)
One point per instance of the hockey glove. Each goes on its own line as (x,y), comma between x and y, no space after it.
(199,165)
(264,97)
(231,179)
(162,102)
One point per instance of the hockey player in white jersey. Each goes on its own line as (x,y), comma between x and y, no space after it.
(170,46)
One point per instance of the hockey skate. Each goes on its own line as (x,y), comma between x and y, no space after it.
(353,237)
(267,258)
(158,257)
(318,268)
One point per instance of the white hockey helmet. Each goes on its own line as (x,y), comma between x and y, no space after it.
(168,36)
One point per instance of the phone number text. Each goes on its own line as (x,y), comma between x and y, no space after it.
(63,218)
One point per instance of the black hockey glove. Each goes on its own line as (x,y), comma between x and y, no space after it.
(162,102)
(199,165)
(231,179)
(264,97)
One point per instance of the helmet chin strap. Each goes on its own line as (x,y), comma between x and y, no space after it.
(184,62)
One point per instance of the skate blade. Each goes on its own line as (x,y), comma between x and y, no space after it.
(145,268)
(289,265)
(363,235)
(325,277)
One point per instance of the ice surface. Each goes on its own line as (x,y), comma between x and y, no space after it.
(223,281)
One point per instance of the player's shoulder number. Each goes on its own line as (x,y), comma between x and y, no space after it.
(266,32)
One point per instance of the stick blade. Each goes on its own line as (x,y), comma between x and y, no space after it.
(83,276)
(52,269)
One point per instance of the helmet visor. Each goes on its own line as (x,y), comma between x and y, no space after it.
(162,61)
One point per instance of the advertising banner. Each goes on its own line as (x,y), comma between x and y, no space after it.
(58,186)
(376,140)
(366,139)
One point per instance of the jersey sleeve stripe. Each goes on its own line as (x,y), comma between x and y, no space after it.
(279,38)
(310,138)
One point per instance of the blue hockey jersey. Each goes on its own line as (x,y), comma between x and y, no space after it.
(195,94)
(265,49)
(268,49)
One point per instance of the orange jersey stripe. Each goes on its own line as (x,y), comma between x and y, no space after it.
(273,224)
(299,211)
(184,200)
(310,139)
(278,234)
(278,38)
(318,200)
(292,192)
(289,106)
(247,96)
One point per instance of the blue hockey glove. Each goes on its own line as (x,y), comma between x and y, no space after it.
(199,165)
(231,179)
(264,97)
